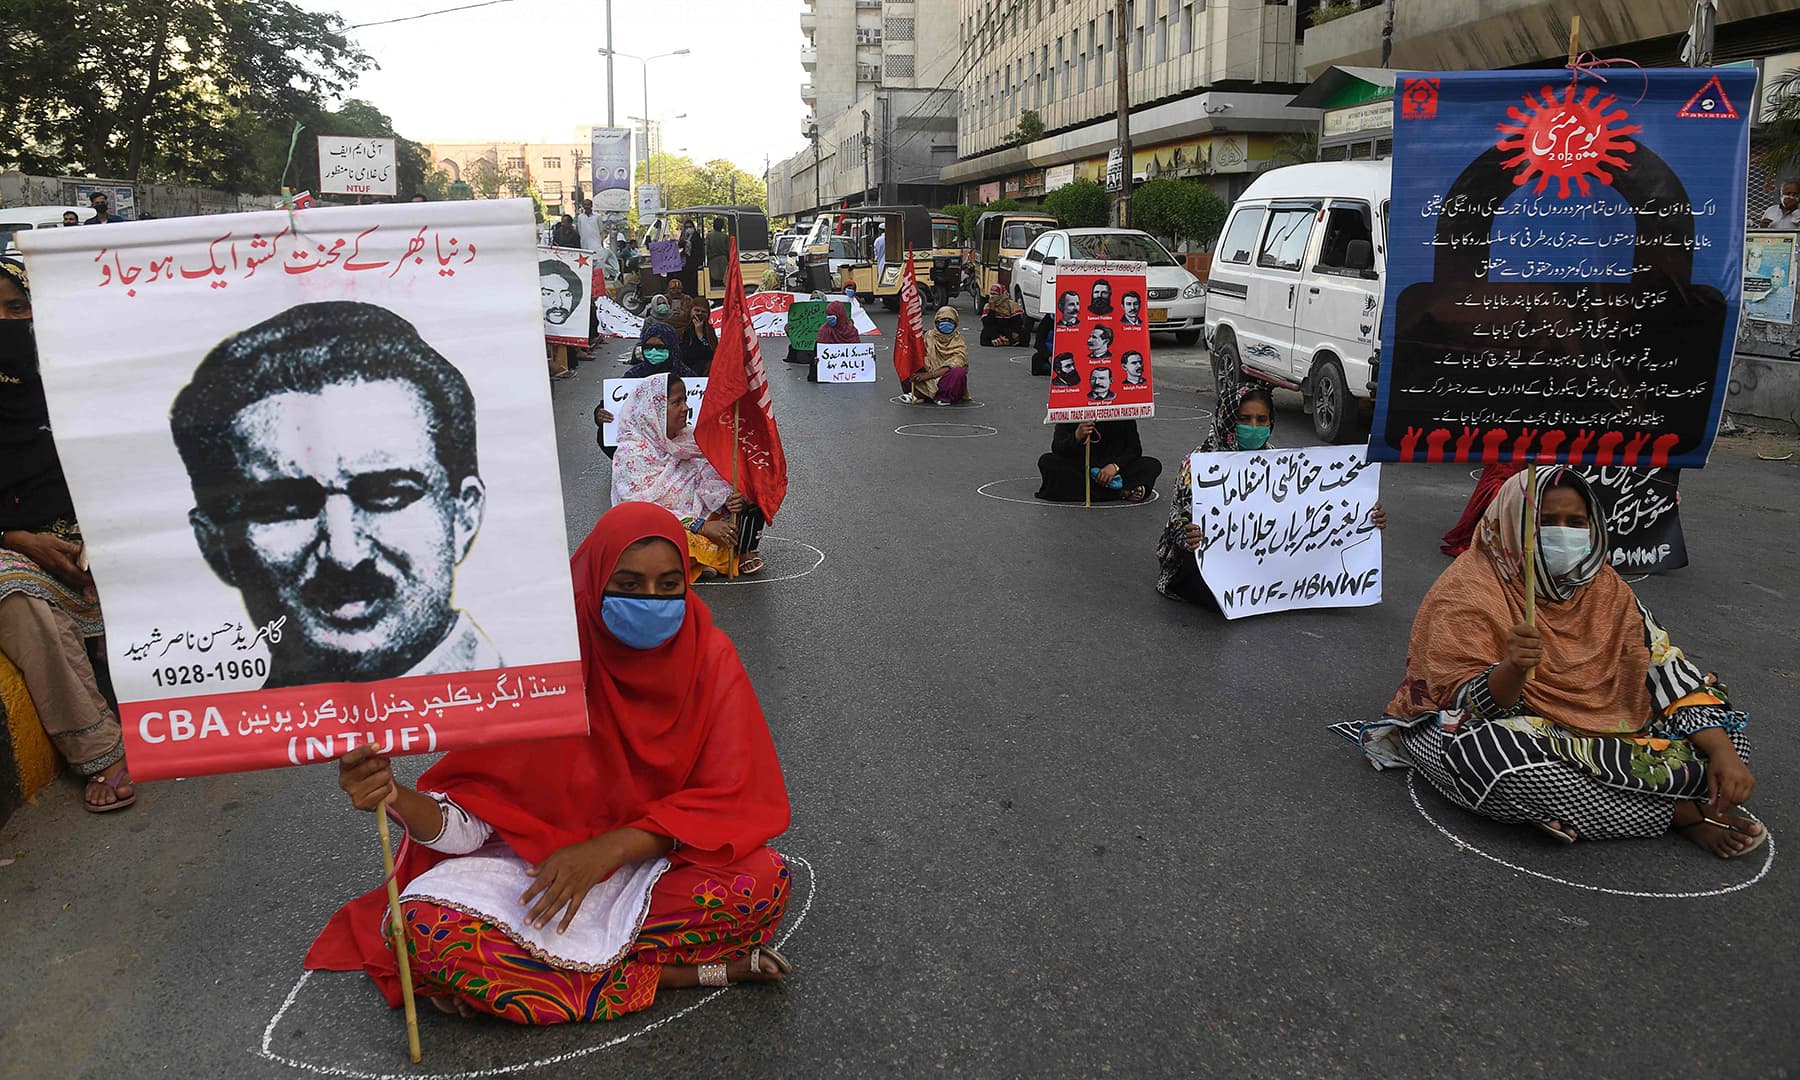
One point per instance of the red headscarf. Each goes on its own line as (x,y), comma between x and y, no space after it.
(844,333)
(677,745)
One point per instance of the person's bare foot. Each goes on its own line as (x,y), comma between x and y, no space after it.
(1725,835)
(100,791)
(453,1006)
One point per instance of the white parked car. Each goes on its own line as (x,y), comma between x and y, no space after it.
(1177,300)
(18,219)
(1296,287)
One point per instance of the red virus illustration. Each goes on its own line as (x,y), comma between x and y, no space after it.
(1567,139)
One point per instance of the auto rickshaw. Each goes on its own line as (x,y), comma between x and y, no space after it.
(746,224)
(1001,237)
(841,249)
(946,260)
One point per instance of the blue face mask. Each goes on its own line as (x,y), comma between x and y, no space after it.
(849,294)
(643,622)
(1252,437)
(831,320)
(656,356)
(945,326)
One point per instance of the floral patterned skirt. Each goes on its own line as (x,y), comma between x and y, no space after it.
(698,915)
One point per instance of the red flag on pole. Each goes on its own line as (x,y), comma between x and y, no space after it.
(909,336)
(736,426)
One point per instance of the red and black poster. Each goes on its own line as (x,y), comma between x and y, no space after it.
(1100,360)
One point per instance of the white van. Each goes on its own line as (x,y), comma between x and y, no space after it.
(18,219)
(1295,295)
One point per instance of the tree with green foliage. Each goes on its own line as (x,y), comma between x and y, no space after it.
(1000,206)
(1178,210)
(714,183)
(179,91)
(1084,204)
(1781,120)
(965,216)
(1030,129)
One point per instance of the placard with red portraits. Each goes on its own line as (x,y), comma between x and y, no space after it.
(1100,355)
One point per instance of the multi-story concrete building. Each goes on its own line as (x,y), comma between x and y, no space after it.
(1210,82)
(554,170)
(882,93)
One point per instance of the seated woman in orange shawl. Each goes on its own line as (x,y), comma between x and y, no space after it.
(571,879)
(1588,725)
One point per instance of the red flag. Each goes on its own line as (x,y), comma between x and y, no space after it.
(737,397)
(909,336)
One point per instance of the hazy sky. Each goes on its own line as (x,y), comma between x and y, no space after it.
(526,71)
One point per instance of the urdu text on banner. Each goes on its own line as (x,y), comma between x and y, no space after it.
(311,479)
(1564,265)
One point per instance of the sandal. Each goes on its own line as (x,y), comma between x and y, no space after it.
(1551,830)
(752,564)
(120,802)
(779,962)
(1137,495)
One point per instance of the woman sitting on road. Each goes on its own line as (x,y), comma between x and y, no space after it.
(698,341)
(658,355)
(1244,420)
(1114,467)
(1588,724)
(1002,320)
(945,376)
(659,462)
(839,329)
(572,879)
(48,609)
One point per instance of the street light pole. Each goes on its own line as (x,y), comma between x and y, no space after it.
(609,65)
(644,63)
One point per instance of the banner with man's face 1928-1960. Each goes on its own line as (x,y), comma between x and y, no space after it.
(307,454)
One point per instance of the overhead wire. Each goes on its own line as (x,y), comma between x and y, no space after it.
(428,14)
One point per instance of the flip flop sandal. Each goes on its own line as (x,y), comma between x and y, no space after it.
(1551,830)
(1756,840)
(1137,495)
(119,802)
(777,962)
(751,566)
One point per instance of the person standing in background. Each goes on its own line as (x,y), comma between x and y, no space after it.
(1785,214)
(587,226)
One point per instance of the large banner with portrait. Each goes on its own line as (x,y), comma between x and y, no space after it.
(1564,265)
(567,278)
(1100,362)
(611,163)
(308,455)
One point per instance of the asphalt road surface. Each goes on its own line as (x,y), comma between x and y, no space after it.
(1046,823)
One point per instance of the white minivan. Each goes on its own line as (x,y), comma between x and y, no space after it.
(1295,295)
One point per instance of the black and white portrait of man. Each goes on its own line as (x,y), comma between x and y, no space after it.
(1131,309)
(1100,385)
(1063,372)
(559,288)
(1100,298)
(1099,342)
(1133,363)
(352,531)
(1068,309)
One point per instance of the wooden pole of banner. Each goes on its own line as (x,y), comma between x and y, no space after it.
(1574,38)
(734,479)
(1531,521)
(1087,470)
(398,925)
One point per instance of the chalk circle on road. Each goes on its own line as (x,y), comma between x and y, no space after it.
(1010,489)
(789,561)
(1700,861)
(578,1036)
(1018,359)
(935,405)
(959,431)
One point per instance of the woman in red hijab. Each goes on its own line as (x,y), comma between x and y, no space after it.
(839,329)
(568,879)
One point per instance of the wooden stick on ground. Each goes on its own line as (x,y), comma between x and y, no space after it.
(1087,469)
(1531,520)
(398,925)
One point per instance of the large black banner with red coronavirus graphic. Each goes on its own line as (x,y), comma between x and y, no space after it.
(1564,265)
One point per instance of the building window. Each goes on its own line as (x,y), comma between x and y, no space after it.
(868,35)
(553,163)
(552,189)
(515,162)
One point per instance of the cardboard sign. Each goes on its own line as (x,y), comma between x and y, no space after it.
(803,322)
(1563,283)
(311,480)
(615,391)
(352,165)
(769,314)
(665,256)
(1100,362)
(566,278)
(1288,529)
(847,363)
(1643,517)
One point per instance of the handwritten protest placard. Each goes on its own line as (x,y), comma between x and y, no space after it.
(1100,369)
(803,322)
(615,391)
(566,277)
(1564,266)
(311,480)
(1288,529)
(847,363)
(1643,517)
(665,256)
(769,314)
(353,165)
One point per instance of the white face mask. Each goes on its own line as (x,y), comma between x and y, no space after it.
(1563,547)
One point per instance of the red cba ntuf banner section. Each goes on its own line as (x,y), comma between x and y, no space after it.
(302,725)
(1100,365)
